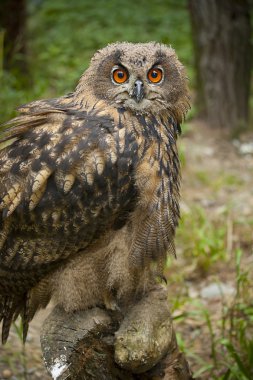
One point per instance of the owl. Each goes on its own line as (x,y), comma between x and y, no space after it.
(89,186)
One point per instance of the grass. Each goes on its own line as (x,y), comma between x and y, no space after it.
(16,361)
(228,332)
(229,351)
(201,239)
(63,36)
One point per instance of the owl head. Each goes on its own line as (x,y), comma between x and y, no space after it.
(143,78)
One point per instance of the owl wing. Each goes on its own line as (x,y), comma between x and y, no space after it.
(64,181)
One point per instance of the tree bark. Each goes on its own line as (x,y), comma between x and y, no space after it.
(221,34)
(13,25)
(102,345)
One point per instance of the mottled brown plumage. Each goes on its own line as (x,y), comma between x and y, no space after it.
(89,186)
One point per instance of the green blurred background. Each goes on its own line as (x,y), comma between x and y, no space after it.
(62,36)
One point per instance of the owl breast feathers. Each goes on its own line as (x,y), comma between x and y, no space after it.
(89,186)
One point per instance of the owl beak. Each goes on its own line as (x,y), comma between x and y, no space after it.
(138,91)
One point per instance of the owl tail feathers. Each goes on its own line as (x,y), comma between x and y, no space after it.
(26,305)
(10,309)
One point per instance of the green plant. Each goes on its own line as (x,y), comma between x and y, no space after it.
(229,346)
(202,239)
(18,328)
(13,357)
(237,327)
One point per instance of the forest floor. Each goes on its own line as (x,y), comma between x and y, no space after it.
(211,276)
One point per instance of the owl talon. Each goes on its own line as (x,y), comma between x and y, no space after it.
(111,304)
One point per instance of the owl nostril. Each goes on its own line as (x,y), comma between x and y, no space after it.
(138,83)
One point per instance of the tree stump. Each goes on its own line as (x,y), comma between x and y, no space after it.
(104,345)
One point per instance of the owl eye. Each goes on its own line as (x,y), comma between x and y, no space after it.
(119,75)
(155,75)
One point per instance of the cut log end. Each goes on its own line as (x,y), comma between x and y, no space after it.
(97,344)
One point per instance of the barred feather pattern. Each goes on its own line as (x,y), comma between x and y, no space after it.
(68,177)
(89,188)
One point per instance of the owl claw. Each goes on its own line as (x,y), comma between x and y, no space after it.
(110,303)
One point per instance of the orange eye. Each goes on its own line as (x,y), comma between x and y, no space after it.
(155,75)
(120,75)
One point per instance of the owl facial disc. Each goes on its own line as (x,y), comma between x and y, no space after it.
(143,78)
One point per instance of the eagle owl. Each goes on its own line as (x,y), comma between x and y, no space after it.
(89,185)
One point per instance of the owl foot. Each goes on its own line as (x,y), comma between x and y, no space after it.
(110,302)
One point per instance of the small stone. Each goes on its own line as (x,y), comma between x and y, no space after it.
(208,202)
(208,151)
(217,291)
(37,375)
(7,373)
(193,293)
(244,148)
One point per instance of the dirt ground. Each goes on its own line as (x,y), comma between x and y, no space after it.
(217,175)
